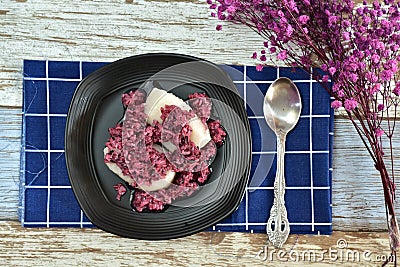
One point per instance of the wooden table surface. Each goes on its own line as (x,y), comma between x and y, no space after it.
(113,29)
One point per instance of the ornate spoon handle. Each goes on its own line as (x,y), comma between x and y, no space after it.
(278,225)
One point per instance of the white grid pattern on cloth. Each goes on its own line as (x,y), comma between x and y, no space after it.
(311,157)
(48,223)
(311,188)
(246,223)
(48,145)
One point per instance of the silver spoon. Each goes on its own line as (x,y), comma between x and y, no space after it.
(282,107)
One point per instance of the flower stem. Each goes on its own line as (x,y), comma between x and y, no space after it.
(388,191)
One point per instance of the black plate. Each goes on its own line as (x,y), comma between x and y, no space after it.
(96,106)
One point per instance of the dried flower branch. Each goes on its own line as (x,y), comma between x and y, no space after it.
(356,47)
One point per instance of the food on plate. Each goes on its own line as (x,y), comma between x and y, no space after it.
(158,99)
(121,190)
(122,172)
(163,147)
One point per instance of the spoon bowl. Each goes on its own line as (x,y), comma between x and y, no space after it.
(282,105)
(282,108)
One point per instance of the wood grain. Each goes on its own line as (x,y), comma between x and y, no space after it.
(10,143)
(93,247)
(109,30)
(358,202)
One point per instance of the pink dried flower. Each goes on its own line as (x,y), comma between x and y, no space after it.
(386,75)
(282,55)
(332,70)
(303,19)
(231,9)
(370,76)
(350,104)
(353,77)
(375,88)
(396,89)
(346,36)
(336,104)
(375,58)
(332,20)
(366,20)
(289,31)
(335,88)
(394,47)
(379,132)
(381,107)
(259,67)
(218,27)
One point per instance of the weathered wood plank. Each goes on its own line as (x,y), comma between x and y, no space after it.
(10,143)
(93,247)
(358,202)
(109,30)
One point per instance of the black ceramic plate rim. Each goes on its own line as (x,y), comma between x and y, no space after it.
(82,189)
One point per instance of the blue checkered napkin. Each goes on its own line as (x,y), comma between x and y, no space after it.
(46,195)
